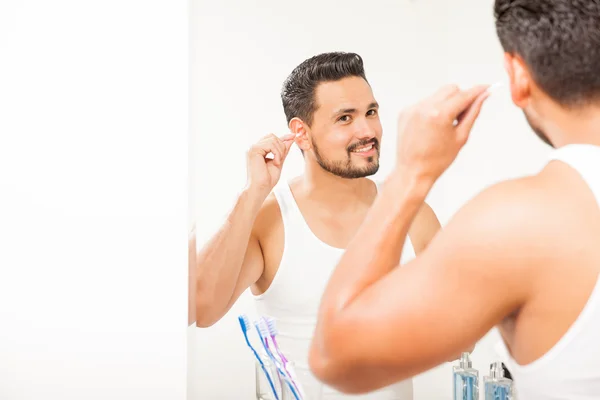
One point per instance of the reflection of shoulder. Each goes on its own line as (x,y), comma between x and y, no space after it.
(268,218)
(423,228)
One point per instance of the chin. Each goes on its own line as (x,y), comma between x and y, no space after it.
(366,170)
(366,162)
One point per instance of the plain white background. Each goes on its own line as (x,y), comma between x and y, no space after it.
(93,215)
(240,55)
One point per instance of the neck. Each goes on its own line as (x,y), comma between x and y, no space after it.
(327,188)
(577,126)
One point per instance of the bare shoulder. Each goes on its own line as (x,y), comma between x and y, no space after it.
(507,210)
(502,234)
(268,216)
(523,220)
(553,199)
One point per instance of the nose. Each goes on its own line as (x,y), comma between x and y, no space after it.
(364,130)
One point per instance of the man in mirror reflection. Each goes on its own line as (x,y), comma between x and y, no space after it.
(283,239)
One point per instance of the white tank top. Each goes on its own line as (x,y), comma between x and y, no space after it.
(571,369)
(294,295)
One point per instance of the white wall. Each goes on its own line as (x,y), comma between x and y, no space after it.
(93,136)
(240,57)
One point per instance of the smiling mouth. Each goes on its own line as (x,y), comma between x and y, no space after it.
(363,149)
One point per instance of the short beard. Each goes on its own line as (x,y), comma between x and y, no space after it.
(345,169)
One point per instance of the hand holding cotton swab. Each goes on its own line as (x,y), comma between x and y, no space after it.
(495,86)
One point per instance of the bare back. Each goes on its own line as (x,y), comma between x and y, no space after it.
(565,234)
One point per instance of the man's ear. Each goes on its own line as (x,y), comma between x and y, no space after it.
(520,80)
(301,129)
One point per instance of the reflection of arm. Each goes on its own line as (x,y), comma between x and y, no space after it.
(379,324)
(227,265)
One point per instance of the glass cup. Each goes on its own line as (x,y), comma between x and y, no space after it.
(263,387)
(264,390)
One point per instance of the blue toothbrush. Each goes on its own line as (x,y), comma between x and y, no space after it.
(245,325)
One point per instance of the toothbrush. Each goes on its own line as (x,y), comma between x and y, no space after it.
(272,333)
(245,325)
(263,332)
(269,333)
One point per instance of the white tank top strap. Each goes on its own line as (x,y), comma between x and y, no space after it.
(287,204)
(585,159)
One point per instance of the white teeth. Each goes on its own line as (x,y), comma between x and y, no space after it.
(363,149)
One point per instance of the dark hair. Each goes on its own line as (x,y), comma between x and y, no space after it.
(298,93)
(559,40)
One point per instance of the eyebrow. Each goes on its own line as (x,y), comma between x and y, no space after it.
(353,110)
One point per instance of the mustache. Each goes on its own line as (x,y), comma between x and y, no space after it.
(364,142)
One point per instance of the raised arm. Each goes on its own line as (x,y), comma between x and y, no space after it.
(228,264)
(232,259)
(379,324)
(416,317)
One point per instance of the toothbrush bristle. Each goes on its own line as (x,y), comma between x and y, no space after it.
(272,326)
(245,321)
(262,328)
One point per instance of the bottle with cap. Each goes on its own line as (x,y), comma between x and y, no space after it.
(466,385)
(496,385)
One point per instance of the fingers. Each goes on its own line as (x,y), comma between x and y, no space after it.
(268,144)
(271,144)
(288,145)
(278,146)
(286,142)
(278,143)
(467,119)
(458,103)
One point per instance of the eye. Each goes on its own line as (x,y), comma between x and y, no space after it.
(344,118)
(372,112)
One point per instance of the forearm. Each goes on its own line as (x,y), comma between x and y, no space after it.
(377,247)
(220,261)
(375,250)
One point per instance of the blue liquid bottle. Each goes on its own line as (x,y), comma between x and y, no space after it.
(466,379)
(496,386)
